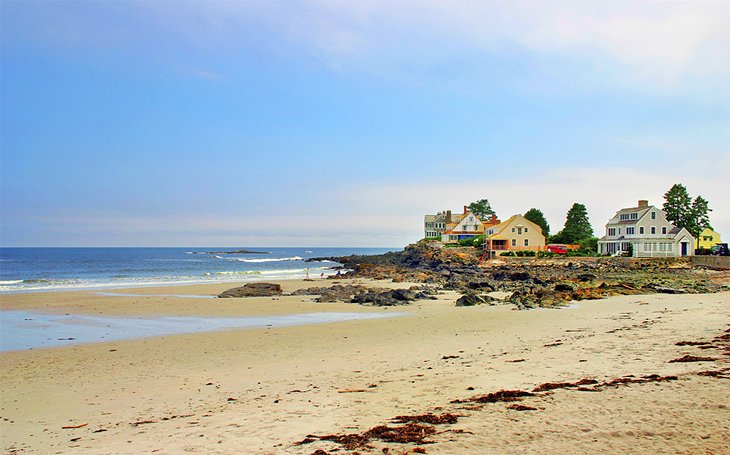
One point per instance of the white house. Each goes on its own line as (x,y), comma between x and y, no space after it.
(645,231)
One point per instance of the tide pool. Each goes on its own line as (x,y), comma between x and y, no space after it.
(22,330)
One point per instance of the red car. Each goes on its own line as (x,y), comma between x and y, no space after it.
(557,249)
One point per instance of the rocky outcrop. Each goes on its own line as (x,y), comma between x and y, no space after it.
(252,290)
(532,282)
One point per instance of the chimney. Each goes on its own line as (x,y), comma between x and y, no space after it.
(465,209)
(494,218)
(448,216)
(643,203)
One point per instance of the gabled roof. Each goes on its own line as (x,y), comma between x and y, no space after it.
(504,224)
(640,211)
(501,226)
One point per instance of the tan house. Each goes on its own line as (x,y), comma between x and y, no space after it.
(516,233)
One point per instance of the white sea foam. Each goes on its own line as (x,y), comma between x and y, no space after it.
(41,285)
(238,272)
(294,258)
(6,282)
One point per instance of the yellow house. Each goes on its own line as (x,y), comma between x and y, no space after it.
(517,233)
(708,238)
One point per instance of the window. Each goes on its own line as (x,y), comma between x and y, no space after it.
(527,242)
(623,217)
(519,230)
(641,230)
(513,229)
(525,230)
(646,247)
(611,231)
(664,229)
(619,231)
(630,231)
(514,242)
(653,230)
(634,216)
(653,215)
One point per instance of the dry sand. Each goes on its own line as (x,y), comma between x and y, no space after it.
(263,390)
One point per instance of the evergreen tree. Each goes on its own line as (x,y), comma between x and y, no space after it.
(678,206)
(683,212)
(577,227)
(699,217)
(537,217)
(482,209)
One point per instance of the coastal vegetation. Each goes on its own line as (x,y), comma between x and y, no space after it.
(537,217)
(685,212)
(482,208)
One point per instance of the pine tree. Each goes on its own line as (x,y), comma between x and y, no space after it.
(537,217)
(577,227)
(699,216)
(678,206)
(482,209)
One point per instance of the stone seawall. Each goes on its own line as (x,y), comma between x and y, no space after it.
(714,262)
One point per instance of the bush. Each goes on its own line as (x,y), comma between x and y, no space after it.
(508,253)
(466,242)
(478,241)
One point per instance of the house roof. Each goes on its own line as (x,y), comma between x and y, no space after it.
(501,226)
(640,211)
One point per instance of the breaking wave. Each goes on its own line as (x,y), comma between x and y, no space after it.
(293,258)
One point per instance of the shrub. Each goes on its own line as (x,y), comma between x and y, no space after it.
(478,241)
(466,242)
(507,253)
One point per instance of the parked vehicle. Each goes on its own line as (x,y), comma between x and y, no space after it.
(721,249)
(557,249)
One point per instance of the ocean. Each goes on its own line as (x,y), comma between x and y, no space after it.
(53,269)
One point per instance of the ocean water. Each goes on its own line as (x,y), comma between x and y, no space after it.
(29,330)
(52,269)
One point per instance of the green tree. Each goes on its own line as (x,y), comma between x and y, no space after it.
(482,209)
(699,217)
(537,217)
(678,206)
(577,227)
(683,212)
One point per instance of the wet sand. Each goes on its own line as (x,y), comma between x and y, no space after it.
(263,390)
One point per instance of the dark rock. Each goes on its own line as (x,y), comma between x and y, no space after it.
(252,290)
(469,300)
(480,285)
(563,288)
(668,290)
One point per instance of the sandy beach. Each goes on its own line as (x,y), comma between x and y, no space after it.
(265,390)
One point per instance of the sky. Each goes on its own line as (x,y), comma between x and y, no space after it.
(341,123)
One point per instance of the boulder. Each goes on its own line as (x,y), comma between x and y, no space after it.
(470,299)
(252,290)
(668,290)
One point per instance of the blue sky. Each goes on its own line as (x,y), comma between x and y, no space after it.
(323,123)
